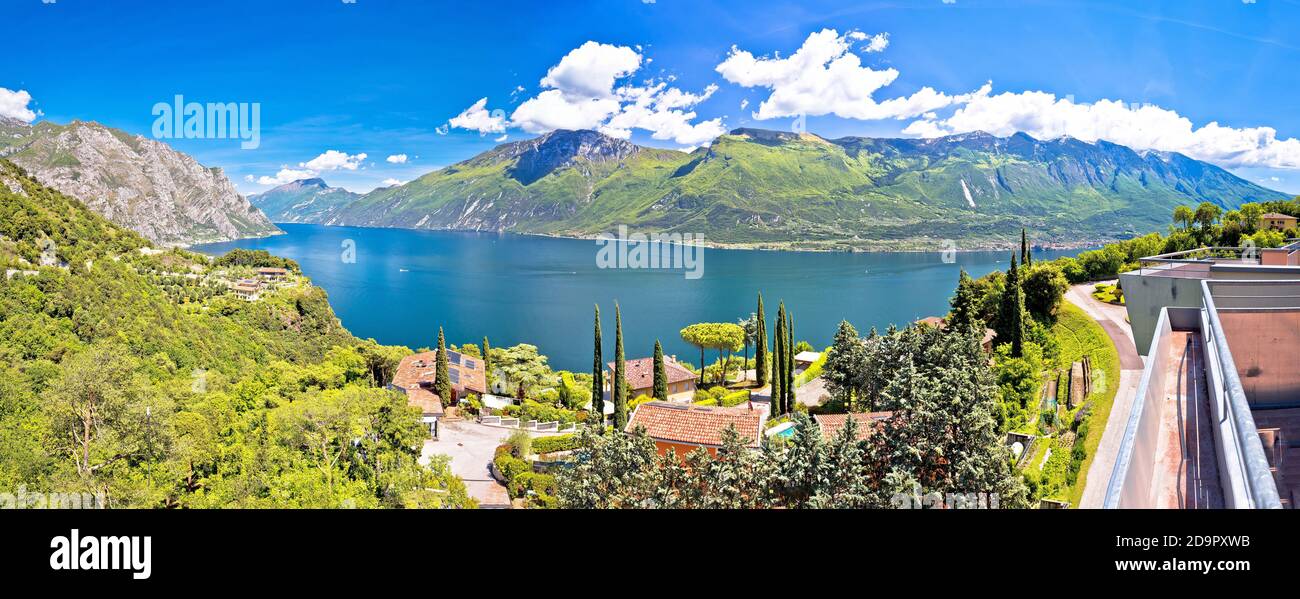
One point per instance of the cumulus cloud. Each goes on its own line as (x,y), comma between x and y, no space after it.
(13,104)
(591,70)
(389,182)
(1141,127)
(583,91)
(396,159)
(824,76)
(477,118)
(285,175)
(333,160)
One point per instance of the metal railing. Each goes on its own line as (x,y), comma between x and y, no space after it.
(1260,481)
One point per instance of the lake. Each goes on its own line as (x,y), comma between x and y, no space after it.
(398,286)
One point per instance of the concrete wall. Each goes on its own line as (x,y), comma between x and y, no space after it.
(1144,296)
(1131,482)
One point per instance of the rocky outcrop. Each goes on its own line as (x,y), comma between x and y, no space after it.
(139,183)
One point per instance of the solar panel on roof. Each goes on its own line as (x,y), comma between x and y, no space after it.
(470,363)
(454,375)
(453,357)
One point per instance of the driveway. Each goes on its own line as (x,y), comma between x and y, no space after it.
(471,447)
(1112,319)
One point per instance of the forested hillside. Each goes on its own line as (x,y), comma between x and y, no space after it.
(133,373)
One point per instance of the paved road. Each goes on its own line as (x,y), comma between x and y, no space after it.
(471,447)
(1112,320)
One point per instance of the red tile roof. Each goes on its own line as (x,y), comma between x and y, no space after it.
(641,372)
(426,400)
(939,323)
(419,370)
(867,423)
(696,425)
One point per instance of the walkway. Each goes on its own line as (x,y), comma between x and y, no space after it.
(471,447)
(1113,320)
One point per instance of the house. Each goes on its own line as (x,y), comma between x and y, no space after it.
(416,373)
(641,378)
(272,274)
(804,359)
(247,289)
(867,422)
(685,427)
(986,343)
(1274,220)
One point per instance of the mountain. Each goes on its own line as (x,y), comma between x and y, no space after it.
(139,183)
(304,200)
(763,188)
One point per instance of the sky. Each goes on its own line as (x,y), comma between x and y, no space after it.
(366,93)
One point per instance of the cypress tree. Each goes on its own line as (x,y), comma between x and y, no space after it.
(661,374)
(487,361)
(788,403)
(778,361)
(1024,247)
(760,346)
(441,377)
(620,373)
(598,377)
(1013,311)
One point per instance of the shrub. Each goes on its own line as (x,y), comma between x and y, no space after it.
(734,398)
(521,444)
(510,466)
(556,443)
(541,484)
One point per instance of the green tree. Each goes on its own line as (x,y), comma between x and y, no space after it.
(661,375)
(1011,321)
(1025,258)
(487,362)
(750,327)
(1184,217)
(788,370)
(620,373)
(845,371)
(965,303)
(441,376)
(597,376)
(760,346)
(1206,215)
(778,362)
(1044,288)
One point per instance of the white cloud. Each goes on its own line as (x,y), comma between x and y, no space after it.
(477,118)
(389,182)
(590,70)
(396,159)
(1141,127)
(286,175)
(504,136)
(13,104)
(334,160)
(582,91)
(824,77)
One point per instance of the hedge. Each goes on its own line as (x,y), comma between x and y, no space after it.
(511,467)
(542,484)
(556,443)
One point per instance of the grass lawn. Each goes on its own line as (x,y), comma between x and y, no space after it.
(1080,335)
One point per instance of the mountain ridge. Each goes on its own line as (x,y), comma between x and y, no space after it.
(140,183)
(763,188)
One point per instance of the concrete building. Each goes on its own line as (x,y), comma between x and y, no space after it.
(1216,419)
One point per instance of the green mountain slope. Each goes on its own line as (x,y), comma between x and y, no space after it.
(766,188)
(133,373)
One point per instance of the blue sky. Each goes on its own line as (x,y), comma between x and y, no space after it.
(384,78)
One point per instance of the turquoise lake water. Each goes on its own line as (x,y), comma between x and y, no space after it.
(404,284)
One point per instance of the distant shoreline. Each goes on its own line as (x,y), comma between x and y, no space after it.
(904,246)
